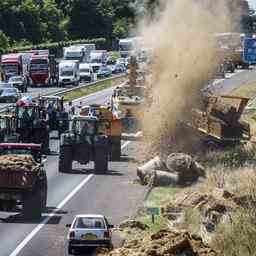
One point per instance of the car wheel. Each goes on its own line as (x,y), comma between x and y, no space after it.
(70,250)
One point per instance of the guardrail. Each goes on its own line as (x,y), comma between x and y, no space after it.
(61,92)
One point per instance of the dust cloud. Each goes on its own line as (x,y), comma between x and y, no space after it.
(180,32)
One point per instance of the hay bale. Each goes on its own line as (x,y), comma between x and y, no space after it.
(17,163)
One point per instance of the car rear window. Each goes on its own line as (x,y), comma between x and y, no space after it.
(89,223)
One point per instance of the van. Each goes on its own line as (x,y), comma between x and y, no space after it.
(69,73)
(86,72)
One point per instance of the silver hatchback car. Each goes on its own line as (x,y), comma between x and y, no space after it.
(89,230)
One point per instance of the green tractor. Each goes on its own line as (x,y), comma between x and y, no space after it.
(32,126)
(84,142)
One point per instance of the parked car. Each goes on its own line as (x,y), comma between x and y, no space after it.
(19,82)
(89,230)
(104,72)
(118,68)
(9,95)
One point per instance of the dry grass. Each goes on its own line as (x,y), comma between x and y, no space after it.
(237,236)
(247,90)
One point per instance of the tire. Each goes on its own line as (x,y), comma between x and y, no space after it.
(44,188)
(101,156)
(32,204)
(115,148)
(65,159)
(70,250)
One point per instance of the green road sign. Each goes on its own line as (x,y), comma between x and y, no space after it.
(153,211)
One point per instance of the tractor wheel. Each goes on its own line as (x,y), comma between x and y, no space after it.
(101,155)
(115,148)
(65,159)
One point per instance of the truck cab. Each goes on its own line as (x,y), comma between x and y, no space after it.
(69,73)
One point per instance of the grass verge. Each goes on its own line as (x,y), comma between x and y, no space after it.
(84,91)
(156,198)
(246,90)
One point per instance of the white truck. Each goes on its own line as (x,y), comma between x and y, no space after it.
(69,72)
(74,53)
(87,48)
(86,72)
(99,56)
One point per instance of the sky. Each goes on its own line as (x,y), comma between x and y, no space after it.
(252,3)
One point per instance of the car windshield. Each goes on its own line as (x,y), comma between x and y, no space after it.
(84,127)
(8,68)
(84,70)
(7,91)
(39,64)
(103,69)
(90,223)
(67,73)
(15,79)
(125,47)
(95,68)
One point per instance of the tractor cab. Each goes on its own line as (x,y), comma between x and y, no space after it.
(55,102)
(84,142)
(53,107)
(108,124)
(32,125)
(8,128)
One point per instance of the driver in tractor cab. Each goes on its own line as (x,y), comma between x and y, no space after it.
(51,115)
(26,125)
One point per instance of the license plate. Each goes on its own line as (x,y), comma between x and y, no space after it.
(89,237)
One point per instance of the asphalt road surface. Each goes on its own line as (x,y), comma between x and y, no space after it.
(233,81)
(114,194)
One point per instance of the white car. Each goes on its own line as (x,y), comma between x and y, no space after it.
(89,230)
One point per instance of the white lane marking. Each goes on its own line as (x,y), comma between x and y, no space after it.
(44,222)
(129,142)
(60,205)
(125,144)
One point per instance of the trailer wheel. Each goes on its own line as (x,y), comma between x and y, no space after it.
(65,159)
(32,204)
(43,188)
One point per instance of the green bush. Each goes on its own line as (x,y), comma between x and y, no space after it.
(57,46)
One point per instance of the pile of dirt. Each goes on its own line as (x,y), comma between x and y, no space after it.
(134,224)
(213,206)
(177,169)
(165,242)
(17,163)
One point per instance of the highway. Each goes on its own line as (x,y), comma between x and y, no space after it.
(233,81)
(113,194)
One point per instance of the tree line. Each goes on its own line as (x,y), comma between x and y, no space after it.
(26,22)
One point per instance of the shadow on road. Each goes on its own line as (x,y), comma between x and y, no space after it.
(18,218)
(51,209)
(85,252)
(86,171)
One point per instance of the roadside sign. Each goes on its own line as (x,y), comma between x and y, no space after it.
(250,50)
(153,211)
